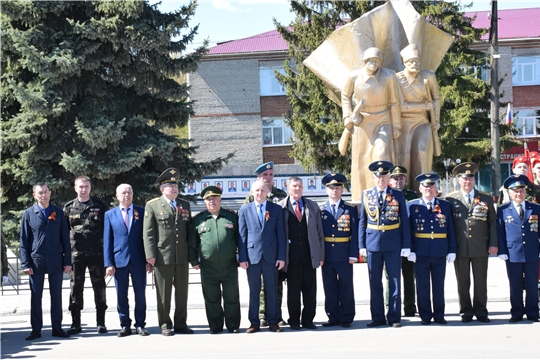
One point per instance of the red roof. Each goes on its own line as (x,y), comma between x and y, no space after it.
(513,24)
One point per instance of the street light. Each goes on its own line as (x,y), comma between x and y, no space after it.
(446,163)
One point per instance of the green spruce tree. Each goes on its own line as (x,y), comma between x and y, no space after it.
(88,89)
(317,121)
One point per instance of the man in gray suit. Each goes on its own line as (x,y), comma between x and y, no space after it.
(475,224)
(261,251)
(302,218)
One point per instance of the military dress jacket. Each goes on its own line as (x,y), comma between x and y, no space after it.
(273,196)
(383,227)
(340,231)
(519,238)
(475,225)
(432,232)
(165,231)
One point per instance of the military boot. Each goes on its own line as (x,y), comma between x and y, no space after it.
(75,322)
(100,317)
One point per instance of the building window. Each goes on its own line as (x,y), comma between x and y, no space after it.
(526,70)
(269,84)
(275,132)
(528,122)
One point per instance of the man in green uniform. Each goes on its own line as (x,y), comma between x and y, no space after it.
(265,172)
(212,245)
(166,223)
(398,176)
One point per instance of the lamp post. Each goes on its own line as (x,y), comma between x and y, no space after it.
(446,163)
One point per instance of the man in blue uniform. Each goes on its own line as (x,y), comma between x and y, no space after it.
(519,247)
(341,251)
(384,236)
(433,238)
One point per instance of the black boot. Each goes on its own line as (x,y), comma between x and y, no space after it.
(75,322)
(100,317)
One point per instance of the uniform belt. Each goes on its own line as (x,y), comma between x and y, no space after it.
(430,236)
(383,227)
(336,239)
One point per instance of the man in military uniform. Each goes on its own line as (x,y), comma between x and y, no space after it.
(165,229)
(384,236)
(433,239)
(212,245)
(475,223)
(85,215)
(265,172)
(340,227)
(398,178)
(520,166)
(519,247)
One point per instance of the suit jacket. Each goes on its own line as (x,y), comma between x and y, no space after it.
(392,213)
(344,225)
(164,233)
(475,225)
(519,238)
(315,231)
(44,242)
(255,241)
(119,247)
(433,233)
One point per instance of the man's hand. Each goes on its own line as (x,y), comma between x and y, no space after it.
(493,250)
(405,252)
(321,263)
(503,257)
(110,271)
(197,267)
(353,261)
(412,257)
(244,265)
(67,268)
(451,258)
(151,261)
(280,264)
(149,268)
(4,279)
(28,271)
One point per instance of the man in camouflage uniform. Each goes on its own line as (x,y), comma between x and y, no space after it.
(265,172)
(212,242)
(85,215)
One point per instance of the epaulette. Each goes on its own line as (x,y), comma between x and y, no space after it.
(483,193)
(453,193)
(69,202)
(231,210)
(153,200)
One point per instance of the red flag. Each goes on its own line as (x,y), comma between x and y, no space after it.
(527,154)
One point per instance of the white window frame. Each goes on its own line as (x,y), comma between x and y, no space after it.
(269,137)
(269,85)
(520,66)
(532,124)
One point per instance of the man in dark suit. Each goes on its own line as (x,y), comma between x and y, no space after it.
(165,227)
(124,256)
(384,236)
(45,249)
(340,226)
(519,247)
(433,239)
(475,222)
(305,253)
(262,250)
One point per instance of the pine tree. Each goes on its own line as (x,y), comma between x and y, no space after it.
(317,121)
(88,89)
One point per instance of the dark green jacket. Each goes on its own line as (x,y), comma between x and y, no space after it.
(273,196)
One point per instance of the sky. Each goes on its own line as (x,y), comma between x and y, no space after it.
(223,20)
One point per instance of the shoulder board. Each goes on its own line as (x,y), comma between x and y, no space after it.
(69,202)
(153,200)
(453,194)
(483,193)
(231,210)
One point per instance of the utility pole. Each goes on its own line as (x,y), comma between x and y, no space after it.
(494,99)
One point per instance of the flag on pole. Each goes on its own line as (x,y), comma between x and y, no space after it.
(509,117)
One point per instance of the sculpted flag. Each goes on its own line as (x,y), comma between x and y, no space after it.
(390,28)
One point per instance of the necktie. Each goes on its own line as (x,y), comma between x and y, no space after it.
(173,207)
(520,211)
(380,197)
(469,199)
(126,217)
(334,210)
(429,206)
(298,211)
(260,213)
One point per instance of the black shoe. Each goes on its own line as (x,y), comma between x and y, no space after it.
(295,327)
(101,329)
(311,326)
(376,323)
(275,328)
(264,323)
(33,335)
(425,322)
(466,319)
(60,333)
(330,324)
(234,331)
(532,318)
(346,324)
(124,332)
(215,331)
(282,322)
(441,321)
(167,332)
(142,331)
(483,319)
(395,325)
(74,330)
(185,330)
(515,319)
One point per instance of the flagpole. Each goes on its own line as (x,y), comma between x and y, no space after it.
(494,99)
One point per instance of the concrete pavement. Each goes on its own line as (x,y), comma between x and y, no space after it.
(498,339)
